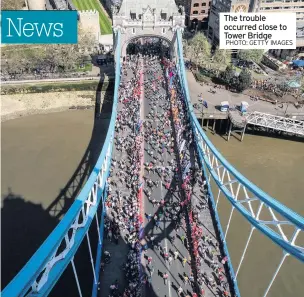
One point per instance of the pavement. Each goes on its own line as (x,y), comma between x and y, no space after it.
(214,100)
(176,270)
(63,79)
(94,74)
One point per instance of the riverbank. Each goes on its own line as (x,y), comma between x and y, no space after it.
(20,105)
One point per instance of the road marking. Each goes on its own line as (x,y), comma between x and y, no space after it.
(166,242)
(141,101)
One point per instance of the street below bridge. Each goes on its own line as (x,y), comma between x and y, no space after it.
(168,266)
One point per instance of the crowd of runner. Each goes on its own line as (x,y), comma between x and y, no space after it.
(157,195)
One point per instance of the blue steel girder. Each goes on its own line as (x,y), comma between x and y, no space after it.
(239,190)
(191,116)
(42,271)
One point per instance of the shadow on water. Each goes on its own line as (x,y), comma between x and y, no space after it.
(66,197)
(26,225)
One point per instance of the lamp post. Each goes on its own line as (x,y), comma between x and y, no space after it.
(286,109)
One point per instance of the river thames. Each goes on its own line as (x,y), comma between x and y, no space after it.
(41,155)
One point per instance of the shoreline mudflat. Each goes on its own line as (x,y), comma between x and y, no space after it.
(20,105)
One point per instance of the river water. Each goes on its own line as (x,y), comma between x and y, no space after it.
(40,177)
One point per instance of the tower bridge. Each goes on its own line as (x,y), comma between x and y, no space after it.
(147,18)
(201,179)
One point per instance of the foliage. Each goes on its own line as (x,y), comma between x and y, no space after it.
(18,60)
(243,81)
(228,75)
(198,50)
(201,77)
(220,58)
(12,4)
(254,55)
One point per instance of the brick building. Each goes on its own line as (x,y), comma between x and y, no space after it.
(197,13)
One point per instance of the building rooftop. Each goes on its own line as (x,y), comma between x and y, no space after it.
(139,6)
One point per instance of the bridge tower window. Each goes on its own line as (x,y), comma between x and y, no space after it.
(133,16)
(133,30)
(163,16)
(164,30)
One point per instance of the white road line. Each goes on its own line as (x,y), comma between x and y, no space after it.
(166,242)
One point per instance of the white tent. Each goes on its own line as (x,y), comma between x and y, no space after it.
(224,105)
(244,106)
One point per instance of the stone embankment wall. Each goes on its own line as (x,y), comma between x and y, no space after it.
(28,99)
(19,105)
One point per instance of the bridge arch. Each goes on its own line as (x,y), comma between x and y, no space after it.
(134,38)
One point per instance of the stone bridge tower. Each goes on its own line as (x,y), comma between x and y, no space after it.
(148,18)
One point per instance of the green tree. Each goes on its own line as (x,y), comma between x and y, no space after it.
(198,50)
(220,59)
(251,55)
(244,80)
(228,74)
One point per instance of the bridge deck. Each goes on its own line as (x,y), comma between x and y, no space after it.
(167,228)
(279,123)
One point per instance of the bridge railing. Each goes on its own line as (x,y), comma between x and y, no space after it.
(43,270)
(240,192)
(276,122)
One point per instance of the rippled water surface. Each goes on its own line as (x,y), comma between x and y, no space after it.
(41,153)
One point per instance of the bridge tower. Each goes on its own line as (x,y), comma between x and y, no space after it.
(148,18)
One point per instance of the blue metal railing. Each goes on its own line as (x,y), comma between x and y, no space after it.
(184,85)
(115,102)
(29,274)
(292,217)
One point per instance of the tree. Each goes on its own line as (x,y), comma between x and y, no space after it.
(251,55)
(221,58)
(244,80)
(66,57)
(11,62)
(46,58)
(228,74)
(12,4)
(198,50)
(86,41)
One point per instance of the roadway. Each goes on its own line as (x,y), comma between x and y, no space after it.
(167,228)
